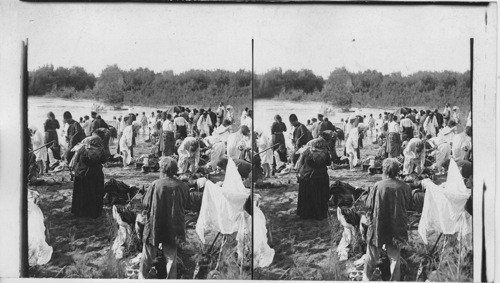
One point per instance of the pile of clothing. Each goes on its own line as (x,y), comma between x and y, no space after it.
(117,192)
(343,194)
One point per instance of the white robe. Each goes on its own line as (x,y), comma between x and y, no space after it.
(204,124)
(126,143)
(234,141)
(264,142)
(460,142)
(222,132)
(38,140)
(247,122)
(187,158)
(430,126)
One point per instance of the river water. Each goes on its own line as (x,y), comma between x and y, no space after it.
(266,109)
(38,107)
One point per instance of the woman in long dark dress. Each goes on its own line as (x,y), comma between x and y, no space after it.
(314,181)
(167,137)
(50,127)
(278,139)
(88,188)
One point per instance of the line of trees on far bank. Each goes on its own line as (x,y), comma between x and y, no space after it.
(342,88)
(370,88)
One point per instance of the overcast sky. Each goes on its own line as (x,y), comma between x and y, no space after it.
(318,37)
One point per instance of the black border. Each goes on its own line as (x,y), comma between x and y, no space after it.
(278,2)
(24,264)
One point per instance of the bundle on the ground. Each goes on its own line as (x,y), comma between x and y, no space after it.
(343,194)
(117,192)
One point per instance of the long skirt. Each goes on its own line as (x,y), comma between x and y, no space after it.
(167,143)
(181,133)
(394,145)
(331,149)
(313,197)
(408,132)
(88,193)
(51,135)
(278,139)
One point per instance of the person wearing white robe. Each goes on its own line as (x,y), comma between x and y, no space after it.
(217,149)
(448,132)
(38,139)
(244,114)
(230,113)
(223,131)
(461,144)
(181,127)
(456,114)
(247,122)
(414,154)
(189,155)
(204,124)
(264,142)
(126,143)
(430,125)
(237,142)
(351,143)
(441,152)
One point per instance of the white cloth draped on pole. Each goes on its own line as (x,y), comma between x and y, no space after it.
(222,211)
(222,207)
(443,209)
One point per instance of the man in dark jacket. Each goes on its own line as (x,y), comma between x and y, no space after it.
(74,135)
(164,226)
(326,126)
(213,119)
(440,120)
(301,135)
(387,220)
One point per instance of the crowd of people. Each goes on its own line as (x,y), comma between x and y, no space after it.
(183,140)
(186,140)
(409,142)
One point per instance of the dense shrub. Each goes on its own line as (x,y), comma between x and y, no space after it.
(205,87)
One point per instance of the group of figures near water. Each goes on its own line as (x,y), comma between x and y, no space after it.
(194,149)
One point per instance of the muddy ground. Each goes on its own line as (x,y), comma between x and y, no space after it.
(82,246)
(306,249)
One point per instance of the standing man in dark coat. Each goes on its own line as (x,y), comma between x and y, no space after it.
(213,119)
(387,204)
(440,120)
(165,226)
(93,115)
(301,136)
(74,136)
(326,125)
